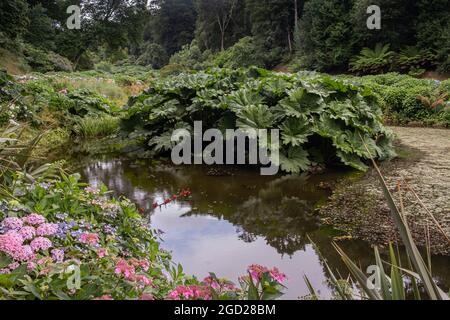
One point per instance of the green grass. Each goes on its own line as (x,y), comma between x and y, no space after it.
(97,127)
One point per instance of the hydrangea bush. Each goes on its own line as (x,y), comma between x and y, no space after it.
(60,239)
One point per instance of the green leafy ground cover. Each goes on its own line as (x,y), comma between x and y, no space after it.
(321,119)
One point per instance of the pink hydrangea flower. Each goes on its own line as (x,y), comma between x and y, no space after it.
(104,297)
(11,244)
(31,265)
(12,223)
(24,254)
(144,264)
(122,267)
(13,266)
(277,275)
(40,243)
(89,238)
(142,280)
(192,292)
(34,219)
(256,271)
(102,252)
(4,271)
(27,232)
(47,229)
(146,296)
(210,281)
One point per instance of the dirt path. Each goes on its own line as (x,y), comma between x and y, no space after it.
(358,206)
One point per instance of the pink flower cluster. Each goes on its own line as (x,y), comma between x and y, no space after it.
(219,284)
(128,270)
(89,238)
(47,229)
(12,243)
(192,292)
(34,219)
(102,252)
(12,223)
(256,271)
(202,291)
(33,228)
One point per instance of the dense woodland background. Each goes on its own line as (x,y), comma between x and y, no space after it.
(324,35)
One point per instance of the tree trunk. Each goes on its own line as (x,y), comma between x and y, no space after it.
(295,14)
(289,40)
(222,41)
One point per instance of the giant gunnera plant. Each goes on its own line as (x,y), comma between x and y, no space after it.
(322,120)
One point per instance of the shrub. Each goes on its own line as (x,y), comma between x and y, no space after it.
(403,98)
(13,105)
(244,53)
(412,59)
(44,61)
(319,117)
(154,55)
(92,127)
(324,39)
(374,61)
(104,66)
(191,56)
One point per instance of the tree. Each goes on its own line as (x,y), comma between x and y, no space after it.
(398,23)
(113,23)
(40,31)
(433,29)
(13,17)
(324,38)
(172,24)
(220,23)
(272,24)
(153,55)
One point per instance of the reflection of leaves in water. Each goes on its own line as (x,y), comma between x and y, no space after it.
(283,223)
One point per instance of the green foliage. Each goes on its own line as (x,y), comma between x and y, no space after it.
(374,61)
(27,100)
(433,30)
(405,99)
(413,58)
(312,111)
(40,31)
(172,25)
(154,55)
(94,127)
(191,57)
(220,23)
(324,38)
(13,17)
(44,61)
(272,23)
(242,54)
(12,102)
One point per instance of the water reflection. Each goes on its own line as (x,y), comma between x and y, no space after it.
(235,218)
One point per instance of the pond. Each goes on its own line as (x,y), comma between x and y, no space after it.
(235,218)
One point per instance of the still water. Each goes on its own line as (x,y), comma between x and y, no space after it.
(235,218)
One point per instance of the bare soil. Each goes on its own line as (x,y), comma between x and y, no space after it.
(358,206)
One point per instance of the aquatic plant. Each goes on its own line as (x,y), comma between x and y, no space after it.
(91,127)
(402,278)
(320,118)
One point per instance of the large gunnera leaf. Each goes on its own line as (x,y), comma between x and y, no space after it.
(320,118)
(294,160)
